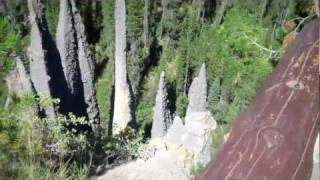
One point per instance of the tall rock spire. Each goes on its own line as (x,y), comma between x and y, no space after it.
(77,61)
(86,63)
(198,93)
(123,99)
(39,72)
(162,118)
(67,45)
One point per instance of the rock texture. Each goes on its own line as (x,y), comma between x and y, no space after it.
(66,38)
(198,93)
(275,138)
(65,69)
(86,64)
(122,114)
(18,80)
(170,157)
(77,61)
(195,135)
(37,54)
(164,165)
(162,118)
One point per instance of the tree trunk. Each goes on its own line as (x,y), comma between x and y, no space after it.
(123,101)
(275,138)
(145,23)
(220,13)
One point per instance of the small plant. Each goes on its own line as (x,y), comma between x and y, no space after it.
(197,169)
(124,146)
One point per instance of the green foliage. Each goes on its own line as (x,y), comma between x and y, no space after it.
(134,19)
(34,148)
(172,14)
(125,144)
(196,169)
(9,42)
(145,104)
(3,92)
(105,47)
(104,88)
(52,15)
(236,66)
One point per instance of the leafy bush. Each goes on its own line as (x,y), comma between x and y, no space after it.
(9,42)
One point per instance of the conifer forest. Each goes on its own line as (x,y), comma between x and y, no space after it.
(159,89)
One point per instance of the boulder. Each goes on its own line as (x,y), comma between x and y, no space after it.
(195,135)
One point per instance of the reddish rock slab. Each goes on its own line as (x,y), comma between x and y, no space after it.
(274,139)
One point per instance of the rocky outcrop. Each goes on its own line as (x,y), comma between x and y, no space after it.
(195,135)
(65,69)
(164,165)
(171,157)
(122,114)
(66,38)
(162,118)
(86,63)
(39,72)
(198,93)
(77,61)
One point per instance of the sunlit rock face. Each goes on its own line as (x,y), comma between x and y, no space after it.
(162,118)
(195,135)
(198,93)
(39,72)
(123,113)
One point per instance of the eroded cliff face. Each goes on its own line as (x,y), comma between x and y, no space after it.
(162,118)
(123,113)
(64,70)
